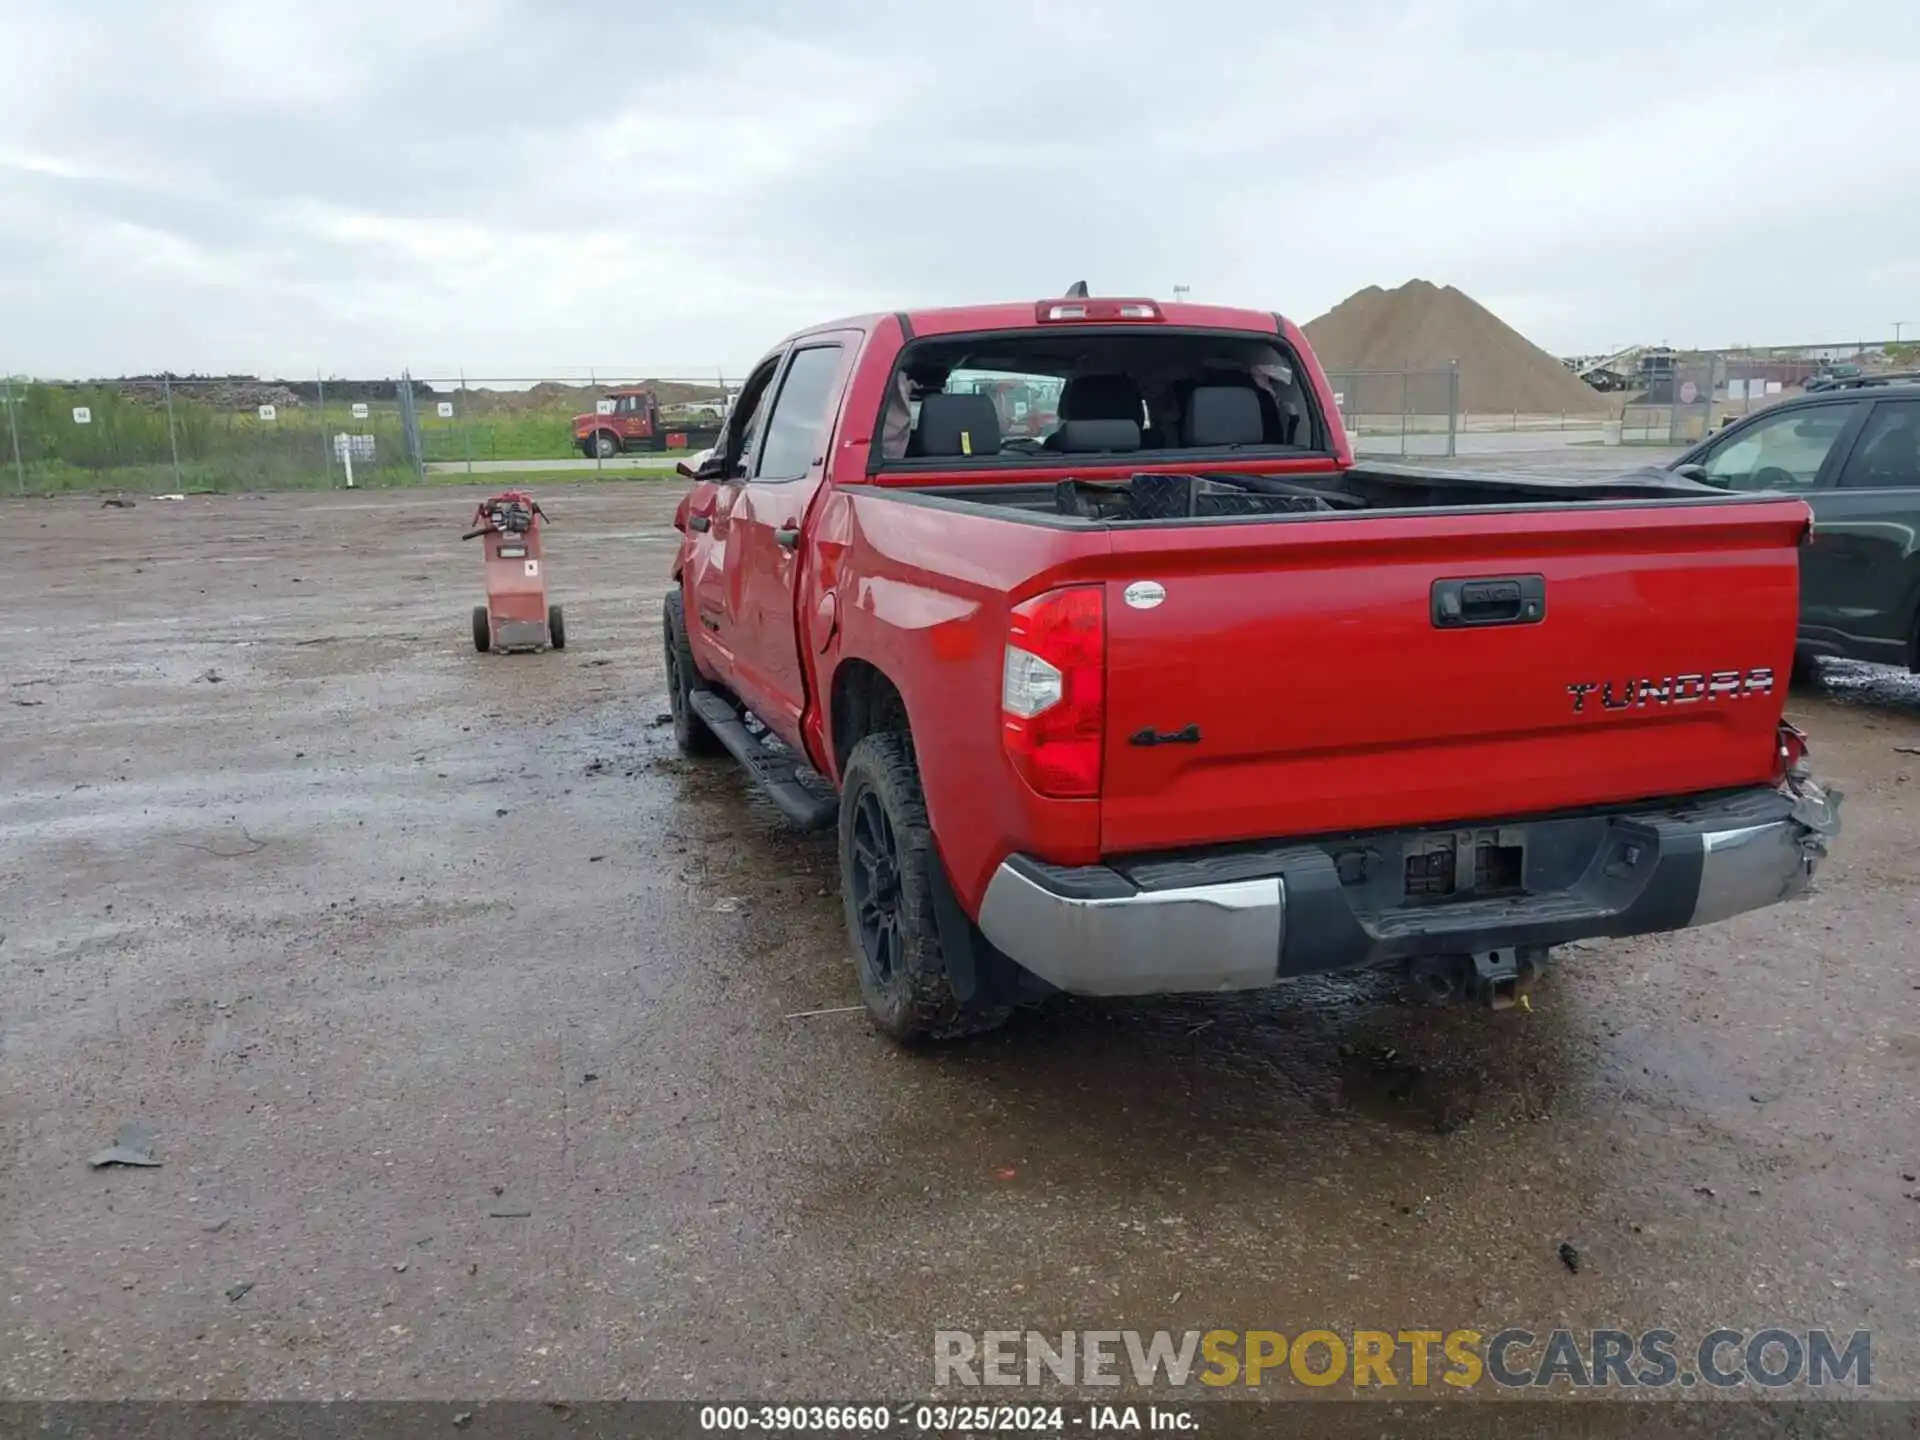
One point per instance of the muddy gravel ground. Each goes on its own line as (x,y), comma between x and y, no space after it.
(464,1012)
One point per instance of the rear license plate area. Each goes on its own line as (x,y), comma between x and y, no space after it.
(1466,865)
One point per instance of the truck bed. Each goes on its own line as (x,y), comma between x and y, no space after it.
(1385,647)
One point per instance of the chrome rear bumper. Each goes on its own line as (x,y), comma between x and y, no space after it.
(1150,927)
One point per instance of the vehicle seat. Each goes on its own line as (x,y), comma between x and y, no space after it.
(1223,415)
(1096,397)
(1089,437)
(956,425)
(1894,460)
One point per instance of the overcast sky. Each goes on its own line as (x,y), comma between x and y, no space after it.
(534,187)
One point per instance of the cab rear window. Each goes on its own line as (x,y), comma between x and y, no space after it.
(1043,396)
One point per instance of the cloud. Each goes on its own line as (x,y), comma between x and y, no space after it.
(517,188)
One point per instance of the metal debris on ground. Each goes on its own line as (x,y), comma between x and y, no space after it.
(835,1010)
(133,1145)
(509,1214)
(235,1292)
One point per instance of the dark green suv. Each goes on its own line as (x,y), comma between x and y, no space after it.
(1852,452)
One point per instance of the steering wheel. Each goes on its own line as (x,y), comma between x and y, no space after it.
(1772,477)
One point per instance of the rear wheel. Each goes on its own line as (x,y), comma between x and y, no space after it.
(690,732)
(556,628)
(482,630)
(886,881)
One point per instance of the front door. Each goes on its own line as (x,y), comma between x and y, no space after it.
(768,521)
(714,552)
(1862,573)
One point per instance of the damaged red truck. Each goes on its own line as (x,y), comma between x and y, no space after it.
(1179,697)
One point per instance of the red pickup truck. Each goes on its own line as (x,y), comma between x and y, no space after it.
(1178,697)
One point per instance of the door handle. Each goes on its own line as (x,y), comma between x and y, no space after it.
(1489,600)
(699,522)
(787,537)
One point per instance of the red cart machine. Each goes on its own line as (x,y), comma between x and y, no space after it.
(516,615)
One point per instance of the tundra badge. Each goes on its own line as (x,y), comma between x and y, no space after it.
(1674,689)
(1144,594)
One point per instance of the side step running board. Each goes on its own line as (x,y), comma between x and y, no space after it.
(774,771)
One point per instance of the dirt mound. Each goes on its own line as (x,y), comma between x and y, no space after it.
(1423,326)
(232,392)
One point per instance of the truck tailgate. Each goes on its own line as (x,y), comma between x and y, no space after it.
(1306,676)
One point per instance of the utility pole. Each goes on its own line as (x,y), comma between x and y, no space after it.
(1900,325)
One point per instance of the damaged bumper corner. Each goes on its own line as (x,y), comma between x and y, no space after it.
(1754,866)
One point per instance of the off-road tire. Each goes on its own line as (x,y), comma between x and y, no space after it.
(482,630)
(907,990)
(556,628)
(690,732)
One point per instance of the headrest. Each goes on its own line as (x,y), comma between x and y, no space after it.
(956,425)
(1086,436)
(1100,397)
(1223,415)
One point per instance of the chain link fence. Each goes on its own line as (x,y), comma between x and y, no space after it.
(1680,397)
(1399,412)
(166,434)
(171,435)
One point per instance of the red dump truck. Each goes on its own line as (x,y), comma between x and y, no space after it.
(1178,697)
(630,419)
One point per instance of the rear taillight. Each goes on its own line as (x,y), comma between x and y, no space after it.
(1053,708)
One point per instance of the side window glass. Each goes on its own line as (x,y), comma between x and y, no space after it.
(1888,455)
(799,416)
(1781,453)
(744,423)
